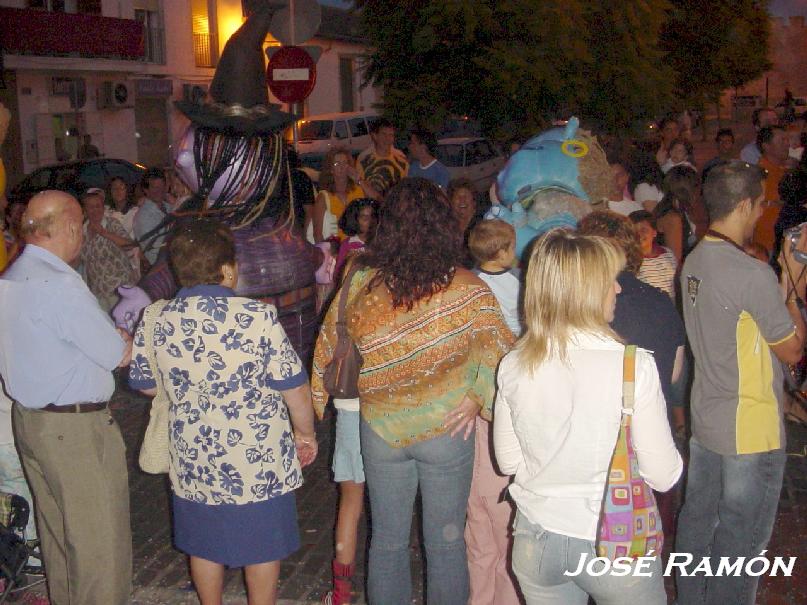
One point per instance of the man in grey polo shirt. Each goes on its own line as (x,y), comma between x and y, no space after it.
(741,324)
(57,353)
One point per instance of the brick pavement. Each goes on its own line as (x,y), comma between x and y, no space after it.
(161,573)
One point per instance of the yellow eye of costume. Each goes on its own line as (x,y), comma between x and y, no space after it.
(574,148)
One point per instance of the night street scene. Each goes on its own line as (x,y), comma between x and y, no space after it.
(493,302)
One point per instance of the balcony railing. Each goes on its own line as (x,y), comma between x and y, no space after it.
(204,50)
(37,32)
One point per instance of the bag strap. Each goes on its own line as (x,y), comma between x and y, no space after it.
(628,380)
(340,312)
(149,321)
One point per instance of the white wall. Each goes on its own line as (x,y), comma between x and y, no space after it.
(325,98)
(112,130)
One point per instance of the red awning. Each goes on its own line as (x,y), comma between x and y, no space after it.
(37,32)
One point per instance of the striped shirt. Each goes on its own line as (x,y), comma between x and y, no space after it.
(659,269)
(418,364)
(382,172)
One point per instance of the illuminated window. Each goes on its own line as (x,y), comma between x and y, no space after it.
(205,45)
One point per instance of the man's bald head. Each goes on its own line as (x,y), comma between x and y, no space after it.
(53,220)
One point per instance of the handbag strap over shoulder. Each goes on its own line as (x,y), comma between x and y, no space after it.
(149,322)
(341,309)
(628,381)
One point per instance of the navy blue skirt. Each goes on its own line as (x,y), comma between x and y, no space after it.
(236,535)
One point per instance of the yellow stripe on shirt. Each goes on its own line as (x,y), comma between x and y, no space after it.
(757,422)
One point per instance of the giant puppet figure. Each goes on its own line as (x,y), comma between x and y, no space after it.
(553,180)
(232,157)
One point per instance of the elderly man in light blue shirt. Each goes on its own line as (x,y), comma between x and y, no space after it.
(57,351)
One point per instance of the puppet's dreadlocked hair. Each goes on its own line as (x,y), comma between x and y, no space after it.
(250,191)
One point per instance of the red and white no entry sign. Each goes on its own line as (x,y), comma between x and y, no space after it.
(291,74)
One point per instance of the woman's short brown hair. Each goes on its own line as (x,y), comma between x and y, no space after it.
(488,238)
(198,249)
(617,228)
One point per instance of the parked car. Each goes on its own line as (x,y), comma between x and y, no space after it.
(318,133)
(474,158)
(76,177)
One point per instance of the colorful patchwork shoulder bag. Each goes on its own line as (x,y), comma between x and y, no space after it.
(629,524)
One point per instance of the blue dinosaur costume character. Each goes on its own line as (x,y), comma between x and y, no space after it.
(552,181)
(233,159)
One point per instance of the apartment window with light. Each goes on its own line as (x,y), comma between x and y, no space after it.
(203,26)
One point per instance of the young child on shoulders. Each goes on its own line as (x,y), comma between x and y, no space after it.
(487,530)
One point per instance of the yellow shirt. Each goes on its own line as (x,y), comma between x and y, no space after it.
(382,172)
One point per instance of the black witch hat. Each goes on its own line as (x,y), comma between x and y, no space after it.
(240,101)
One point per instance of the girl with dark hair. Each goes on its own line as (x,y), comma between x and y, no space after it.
(358,224)
(430,334)
(675,227)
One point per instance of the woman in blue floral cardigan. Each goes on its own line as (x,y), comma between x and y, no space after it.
(241,419)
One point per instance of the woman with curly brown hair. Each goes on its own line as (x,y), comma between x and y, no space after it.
(430,334)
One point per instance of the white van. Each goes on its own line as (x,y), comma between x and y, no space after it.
(317,134)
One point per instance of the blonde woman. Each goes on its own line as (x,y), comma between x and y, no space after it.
(339,184)
(556,421)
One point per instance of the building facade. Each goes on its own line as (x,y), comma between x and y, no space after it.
(111,69)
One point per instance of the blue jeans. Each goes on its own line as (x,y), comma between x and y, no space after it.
(729,511)
(442,467)
(541,557)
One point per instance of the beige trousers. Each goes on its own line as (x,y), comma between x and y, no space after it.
(76,466)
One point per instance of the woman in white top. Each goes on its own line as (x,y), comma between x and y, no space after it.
(121,207)
(557,418)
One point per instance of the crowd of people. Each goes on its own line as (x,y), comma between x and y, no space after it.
(491,385)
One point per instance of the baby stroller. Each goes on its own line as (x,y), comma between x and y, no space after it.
(14,550)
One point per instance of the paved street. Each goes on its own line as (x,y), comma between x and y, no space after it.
(161,575)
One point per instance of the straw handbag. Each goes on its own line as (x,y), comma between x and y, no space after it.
(154,450)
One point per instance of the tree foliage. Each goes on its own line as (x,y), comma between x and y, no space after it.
(714,45)
(517,64)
